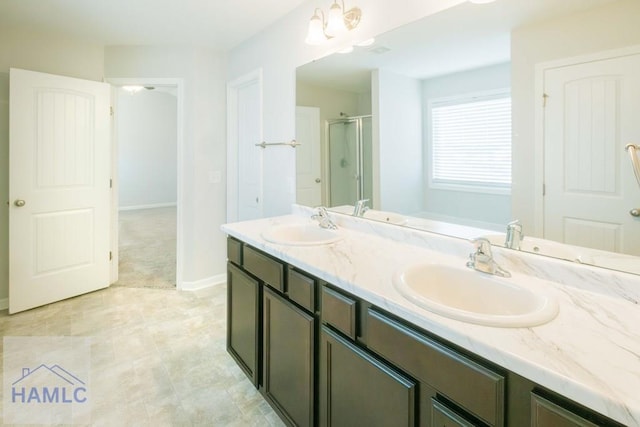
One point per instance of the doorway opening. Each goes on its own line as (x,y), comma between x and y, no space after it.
(147,174)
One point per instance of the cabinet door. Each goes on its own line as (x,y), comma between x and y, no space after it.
(358,390)
(288,358)
(243,297)
(547,414)
(442,416)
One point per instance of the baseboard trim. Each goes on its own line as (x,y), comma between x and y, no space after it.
(216,280)
(152,206)
(4,303)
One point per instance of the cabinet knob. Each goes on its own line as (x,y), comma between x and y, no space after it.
(19,203)
(635,212)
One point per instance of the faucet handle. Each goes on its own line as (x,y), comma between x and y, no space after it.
(515,225)
(360,208)
(482,245)
(323,218)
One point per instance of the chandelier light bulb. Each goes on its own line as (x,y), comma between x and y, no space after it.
(315,34)
(335,21)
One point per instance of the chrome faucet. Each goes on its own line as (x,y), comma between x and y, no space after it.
(361,207)
(482,259)
(323,219)
(514,235)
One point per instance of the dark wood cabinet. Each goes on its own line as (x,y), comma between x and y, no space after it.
(357,389)
(476,389)
(243,321)
(324,357)
(288,354)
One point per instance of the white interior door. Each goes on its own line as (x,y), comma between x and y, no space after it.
(308,160)
(244,161)
(591,113)
(59,220)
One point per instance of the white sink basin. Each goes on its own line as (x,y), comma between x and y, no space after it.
(300,235)
(389,217)
(474,297)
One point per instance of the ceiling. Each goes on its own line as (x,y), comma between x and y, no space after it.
(464,37)
(212,23)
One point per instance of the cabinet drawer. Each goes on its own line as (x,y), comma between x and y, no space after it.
(301,289)
(470,385)
(234,251)
(264,267)
(339,311)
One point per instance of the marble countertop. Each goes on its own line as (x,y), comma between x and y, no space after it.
(589,353)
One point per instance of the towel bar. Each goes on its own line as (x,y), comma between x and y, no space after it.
(293,144)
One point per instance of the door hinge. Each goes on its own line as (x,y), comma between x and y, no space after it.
(544,189)
(110,182)
(544,100)
(110,255)
(111,110)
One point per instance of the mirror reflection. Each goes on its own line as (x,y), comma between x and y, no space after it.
(458,123)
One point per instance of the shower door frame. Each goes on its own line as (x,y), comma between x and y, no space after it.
(359,151)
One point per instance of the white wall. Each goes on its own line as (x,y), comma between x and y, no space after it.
(604,28)
(204,151)
(147,147)
(481,207)
(278,50)
(29,49)
(397,142)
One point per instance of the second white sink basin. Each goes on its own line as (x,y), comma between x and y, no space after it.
(388,217)
(300,235)
(474,297)
(543,247)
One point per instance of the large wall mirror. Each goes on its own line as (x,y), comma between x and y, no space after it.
(480,115)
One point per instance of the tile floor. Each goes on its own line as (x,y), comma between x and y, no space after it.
(147,248)
(158,357)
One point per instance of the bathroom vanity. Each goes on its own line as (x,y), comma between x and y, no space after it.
(326,337)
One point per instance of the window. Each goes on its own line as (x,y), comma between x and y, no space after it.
(471,143)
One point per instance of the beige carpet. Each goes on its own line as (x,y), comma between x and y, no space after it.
(147,248)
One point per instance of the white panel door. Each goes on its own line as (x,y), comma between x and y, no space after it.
(59,187)
(308,160)
(591,113)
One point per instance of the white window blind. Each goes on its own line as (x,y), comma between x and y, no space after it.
(471,142)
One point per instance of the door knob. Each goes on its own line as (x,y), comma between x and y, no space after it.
(318,180)
(19,203)
(635,212)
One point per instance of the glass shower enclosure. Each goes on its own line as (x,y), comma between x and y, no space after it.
(350,160)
